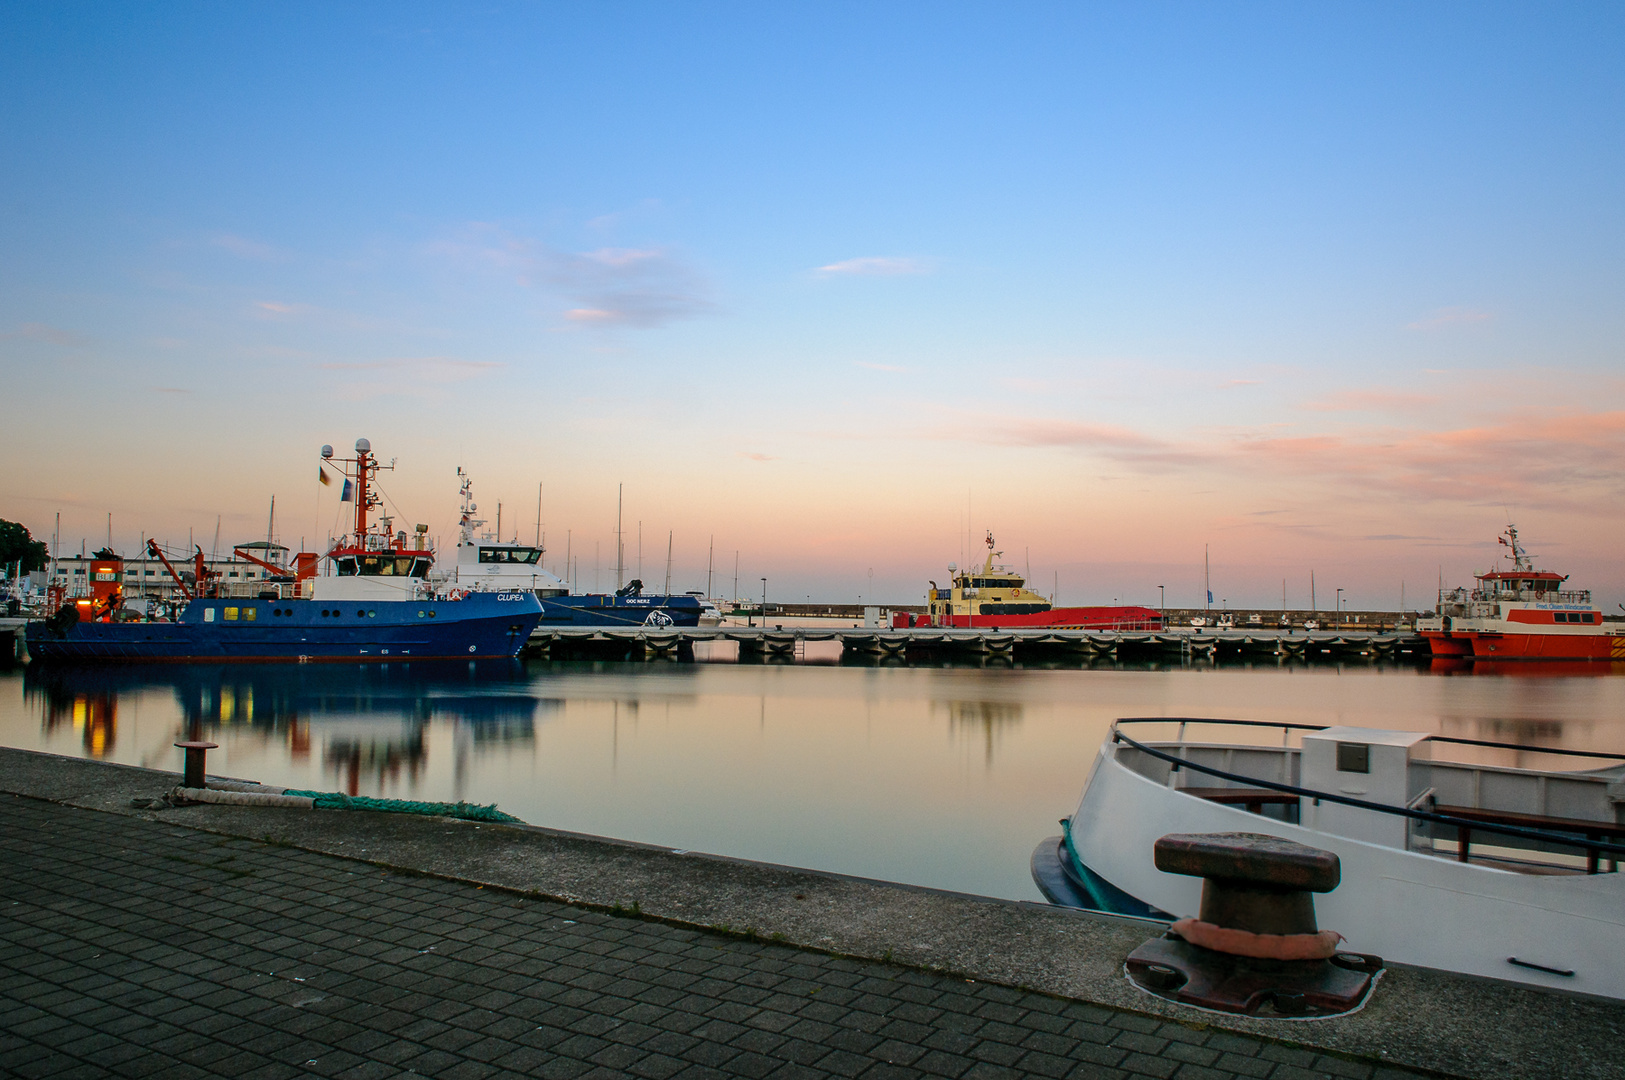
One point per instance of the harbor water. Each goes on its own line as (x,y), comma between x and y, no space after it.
(944,777)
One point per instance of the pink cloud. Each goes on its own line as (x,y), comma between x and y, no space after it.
(874,266)
(1372,401)
(1449,316)
(1548,459)
(626,287)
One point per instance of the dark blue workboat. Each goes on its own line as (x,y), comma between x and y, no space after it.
(486,562)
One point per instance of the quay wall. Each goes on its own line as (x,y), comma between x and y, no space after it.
(1445,1024)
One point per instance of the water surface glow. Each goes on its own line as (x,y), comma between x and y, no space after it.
(934,776)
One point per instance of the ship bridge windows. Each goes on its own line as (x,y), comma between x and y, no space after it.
(382,565)
(526,556)
(989,583)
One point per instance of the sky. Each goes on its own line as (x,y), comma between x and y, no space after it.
(831,291)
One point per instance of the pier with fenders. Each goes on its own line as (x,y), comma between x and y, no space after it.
(931,645)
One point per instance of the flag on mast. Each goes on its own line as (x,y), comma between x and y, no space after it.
(344,496)
(321,474)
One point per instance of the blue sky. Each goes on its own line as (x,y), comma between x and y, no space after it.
(1330,286)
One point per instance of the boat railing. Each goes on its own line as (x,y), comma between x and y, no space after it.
(1585,836)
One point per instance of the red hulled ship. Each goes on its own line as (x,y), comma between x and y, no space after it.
(1520,614)
(996,597)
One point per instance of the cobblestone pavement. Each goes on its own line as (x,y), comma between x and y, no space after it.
(134,948)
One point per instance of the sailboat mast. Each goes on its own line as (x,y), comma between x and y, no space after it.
(620,543)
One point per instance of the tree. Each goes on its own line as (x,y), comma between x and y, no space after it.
(16,543)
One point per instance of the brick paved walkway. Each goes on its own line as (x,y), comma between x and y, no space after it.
(135,948)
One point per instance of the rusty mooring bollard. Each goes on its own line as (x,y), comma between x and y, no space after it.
(193,776)
(1255,947)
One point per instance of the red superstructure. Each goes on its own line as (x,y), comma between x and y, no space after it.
(372,550)
(1520,614)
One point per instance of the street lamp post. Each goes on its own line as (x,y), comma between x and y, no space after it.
(1340,609)
(764,603)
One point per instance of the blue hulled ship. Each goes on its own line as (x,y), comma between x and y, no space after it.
(486,563)
(373,602)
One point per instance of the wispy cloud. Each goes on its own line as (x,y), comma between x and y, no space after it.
(1543,459)
(1108,440)
(273,308)
(1449,316)
(612,287)
(244,248)
(1231,384)
(51,335)
(875,266)
(1373,401)
(429,369)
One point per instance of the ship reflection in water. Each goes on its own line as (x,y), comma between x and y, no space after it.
(933,776)
(369,722)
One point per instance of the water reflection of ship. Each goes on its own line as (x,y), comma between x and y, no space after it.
(94,715)
(1451,665)
(987,721)
(371,720)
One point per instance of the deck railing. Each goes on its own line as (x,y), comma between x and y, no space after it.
(1588,839)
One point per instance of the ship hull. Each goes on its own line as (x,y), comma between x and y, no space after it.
(1499,645)
(608,610)
(304,631)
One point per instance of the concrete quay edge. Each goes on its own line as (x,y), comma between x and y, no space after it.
(1418,1018)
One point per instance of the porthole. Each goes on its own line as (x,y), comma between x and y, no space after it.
(361,614)
(431,613)
(324,613)
(420,614)
(372,614)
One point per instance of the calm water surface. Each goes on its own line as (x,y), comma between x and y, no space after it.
(936,776)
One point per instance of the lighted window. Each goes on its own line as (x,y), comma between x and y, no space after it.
(231,614)
(208,614)
(249,613)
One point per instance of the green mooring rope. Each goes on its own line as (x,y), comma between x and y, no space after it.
(334,800)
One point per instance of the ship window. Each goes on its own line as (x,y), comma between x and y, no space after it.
(208,614)
(361,614)
(431,613)
(1590,616)
(1561,616)
(1353,757)
(231,614)
(250,613)
(372,614)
